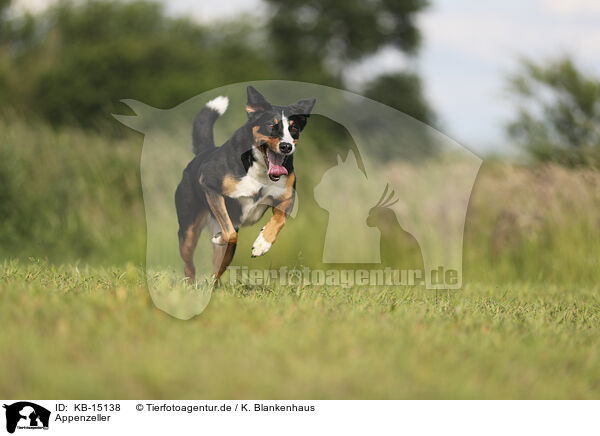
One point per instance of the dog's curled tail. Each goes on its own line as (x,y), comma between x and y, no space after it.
(202,132)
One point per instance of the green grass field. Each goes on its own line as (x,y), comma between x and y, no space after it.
(525,324)
(80,332)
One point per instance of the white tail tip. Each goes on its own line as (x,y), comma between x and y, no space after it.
(219,104)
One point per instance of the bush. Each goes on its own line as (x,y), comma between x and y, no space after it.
(74,63)
(558,113)
(69,195)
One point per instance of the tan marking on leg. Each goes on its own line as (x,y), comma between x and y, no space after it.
(281,209)
(217,206)
(187,246)
(274,226)
(222,257)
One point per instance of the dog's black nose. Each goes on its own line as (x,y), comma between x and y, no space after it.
(285,147)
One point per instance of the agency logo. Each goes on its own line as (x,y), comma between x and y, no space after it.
(26,415)
(377,191)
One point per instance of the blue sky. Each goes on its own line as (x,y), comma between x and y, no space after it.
(469,48)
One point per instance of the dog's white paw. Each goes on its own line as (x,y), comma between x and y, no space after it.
(218,239)
(260,246)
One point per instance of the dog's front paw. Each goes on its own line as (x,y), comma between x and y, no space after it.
(260,246)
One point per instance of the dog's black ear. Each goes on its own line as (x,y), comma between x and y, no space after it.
(304,107)
(256,102)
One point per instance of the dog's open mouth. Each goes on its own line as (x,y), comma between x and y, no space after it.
(274,163)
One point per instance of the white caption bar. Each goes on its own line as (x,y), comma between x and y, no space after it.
(262,418)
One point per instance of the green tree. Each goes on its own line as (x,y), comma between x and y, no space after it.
(403,91)
(4,4)
(316,39)
(73,63)
(79,59)
(558,110)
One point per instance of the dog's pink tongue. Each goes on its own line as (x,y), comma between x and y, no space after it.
(277,170)
(275,164)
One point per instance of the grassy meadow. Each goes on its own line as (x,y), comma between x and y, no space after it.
(83,332)
(78,321)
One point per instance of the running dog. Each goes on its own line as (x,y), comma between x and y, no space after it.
(227,187)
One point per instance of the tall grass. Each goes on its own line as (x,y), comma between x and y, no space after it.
(69,195)
(537,224)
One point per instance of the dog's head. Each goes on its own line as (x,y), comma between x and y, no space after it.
(276,129)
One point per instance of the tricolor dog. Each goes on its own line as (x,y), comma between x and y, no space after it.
(231,186)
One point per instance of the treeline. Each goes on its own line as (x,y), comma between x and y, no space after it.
(72,63)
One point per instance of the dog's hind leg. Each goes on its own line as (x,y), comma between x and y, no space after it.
(219,211)
(192,213)
(222,257)
(188,238)
(225,244)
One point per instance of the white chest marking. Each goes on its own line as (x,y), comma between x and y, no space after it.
(256,191)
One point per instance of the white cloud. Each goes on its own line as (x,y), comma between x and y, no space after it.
(470,46)
(385,61)
(33,6)
(491,35)
(209,10)
(576,7)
